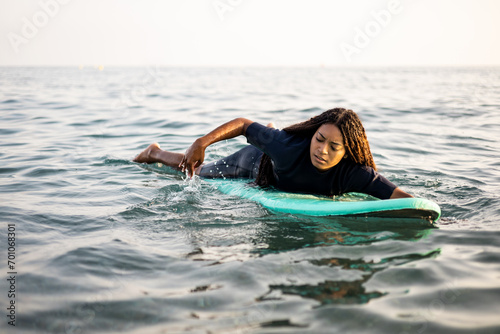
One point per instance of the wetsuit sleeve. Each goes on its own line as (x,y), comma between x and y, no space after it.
(279,145)
(264,138)
(366,180)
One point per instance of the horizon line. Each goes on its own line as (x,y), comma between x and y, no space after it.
(102,66)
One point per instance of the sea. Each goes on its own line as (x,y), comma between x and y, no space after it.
(92,242)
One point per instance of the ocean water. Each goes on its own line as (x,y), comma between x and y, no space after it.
(105,245)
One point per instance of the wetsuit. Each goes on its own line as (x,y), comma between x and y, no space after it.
(293,169)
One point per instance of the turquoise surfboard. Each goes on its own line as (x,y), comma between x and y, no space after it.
(352,204)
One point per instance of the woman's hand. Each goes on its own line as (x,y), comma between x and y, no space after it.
(193,158)
(398,193)
(195,155)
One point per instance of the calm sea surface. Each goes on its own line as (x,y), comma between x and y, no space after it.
(106,245)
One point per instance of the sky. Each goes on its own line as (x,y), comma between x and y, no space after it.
(250,32)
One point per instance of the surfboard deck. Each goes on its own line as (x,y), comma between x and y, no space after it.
(352,204)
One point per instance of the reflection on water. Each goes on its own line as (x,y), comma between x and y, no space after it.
(285,233)
(347,292)
(323,232)
(332,292)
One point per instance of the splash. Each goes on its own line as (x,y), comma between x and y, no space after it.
(191,184)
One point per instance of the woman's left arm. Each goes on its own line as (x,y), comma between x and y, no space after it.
(398,193)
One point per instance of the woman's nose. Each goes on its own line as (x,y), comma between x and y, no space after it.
(324,149)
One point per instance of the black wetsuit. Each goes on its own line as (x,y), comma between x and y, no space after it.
(293,169)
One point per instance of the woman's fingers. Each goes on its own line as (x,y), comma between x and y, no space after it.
(191,170)
(190,167)
(182,164)
(192,159)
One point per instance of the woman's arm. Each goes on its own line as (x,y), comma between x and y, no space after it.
(398,193)
(195,154)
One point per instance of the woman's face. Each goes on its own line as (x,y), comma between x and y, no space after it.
(327,147)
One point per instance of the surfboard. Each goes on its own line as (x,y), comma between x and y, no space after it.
(351,204)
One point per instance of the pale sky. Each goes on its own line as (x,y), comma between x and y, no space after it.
(250,32)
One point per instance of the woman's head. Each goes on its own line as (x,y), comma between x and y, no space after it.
(335,134)
(352,135)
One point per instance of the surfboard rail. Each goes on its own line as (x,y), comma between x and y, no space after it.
(311,205)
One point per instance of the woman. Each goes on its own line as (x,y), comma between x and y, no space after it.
(328,155)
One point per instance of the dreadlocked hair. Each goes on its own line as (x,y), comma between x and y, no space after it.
(353,132)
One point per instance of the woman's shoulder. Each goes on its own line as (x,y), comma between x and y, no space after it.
(268,135)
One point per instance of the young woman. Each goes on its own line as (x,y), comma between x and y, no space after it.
(328,155)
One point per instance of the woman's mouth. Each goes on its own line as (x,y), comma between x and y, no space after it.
(319,159)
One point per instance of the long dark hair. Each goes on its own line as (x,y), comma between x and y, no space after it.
(353,132)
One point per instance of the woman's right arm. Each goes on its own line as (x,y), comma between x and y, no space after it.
(195,154)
